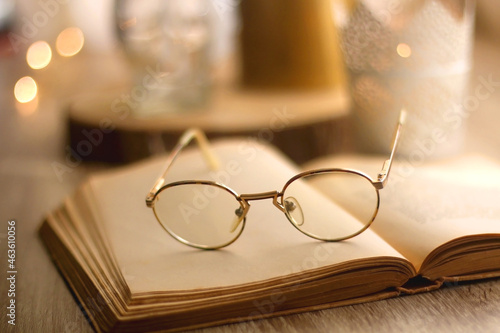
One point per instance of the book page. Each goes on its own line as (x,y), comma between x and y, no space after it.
(269,248)
(424,206)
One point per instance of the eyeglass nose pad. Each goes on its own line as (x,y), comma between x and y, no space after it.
(238,219)
(294,211)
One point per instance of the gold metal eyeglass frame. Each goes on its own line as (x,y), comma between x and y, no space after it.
(277,196)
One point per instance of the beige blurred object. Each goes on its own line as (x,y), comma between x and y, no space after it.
(289,44)
(413,55)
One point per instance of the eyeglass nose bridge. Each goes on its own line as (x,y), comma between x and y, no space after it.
(275,195)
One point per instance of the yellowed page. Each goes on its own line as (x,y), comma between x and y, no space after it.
(269,247)
(425,205)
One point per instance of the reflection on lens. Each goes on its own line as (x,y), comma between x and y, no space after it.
(201,215)
(333,205)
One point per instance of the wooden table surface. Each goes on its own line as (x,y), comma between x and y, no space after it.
(29,144)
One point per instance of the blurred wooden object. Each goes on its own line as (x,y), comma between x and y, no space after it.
(289,44)
(303,125)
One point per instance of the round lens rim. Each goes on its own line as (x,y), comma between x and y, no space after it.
(323,171)
(242,203)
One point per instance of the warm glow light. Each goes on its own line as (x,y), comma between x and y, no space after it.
(25,89)
(69,42)
(39,55)
(404,50)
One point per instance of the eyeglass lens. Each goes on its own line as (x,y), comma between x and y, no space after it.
(202,215)
(331,205)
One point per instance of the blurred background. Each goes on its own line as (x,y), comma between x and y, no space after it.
(92,84)
(117,81)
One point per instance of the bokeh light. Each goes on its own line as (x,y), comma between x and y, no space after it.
(404,50)
(25,89)
(69,42)
(39,55)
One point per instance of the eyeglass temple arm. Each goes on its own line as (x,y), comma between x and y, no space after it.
(386,167)
(184,140)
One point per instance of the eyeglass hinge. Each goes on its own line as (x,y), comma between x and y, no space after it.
(382,176)
(150,199)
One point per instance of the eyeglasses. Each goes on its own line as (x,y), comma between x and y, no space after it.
(331,204)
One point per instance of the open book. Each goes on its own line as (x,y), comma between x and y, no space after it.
(436,223)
